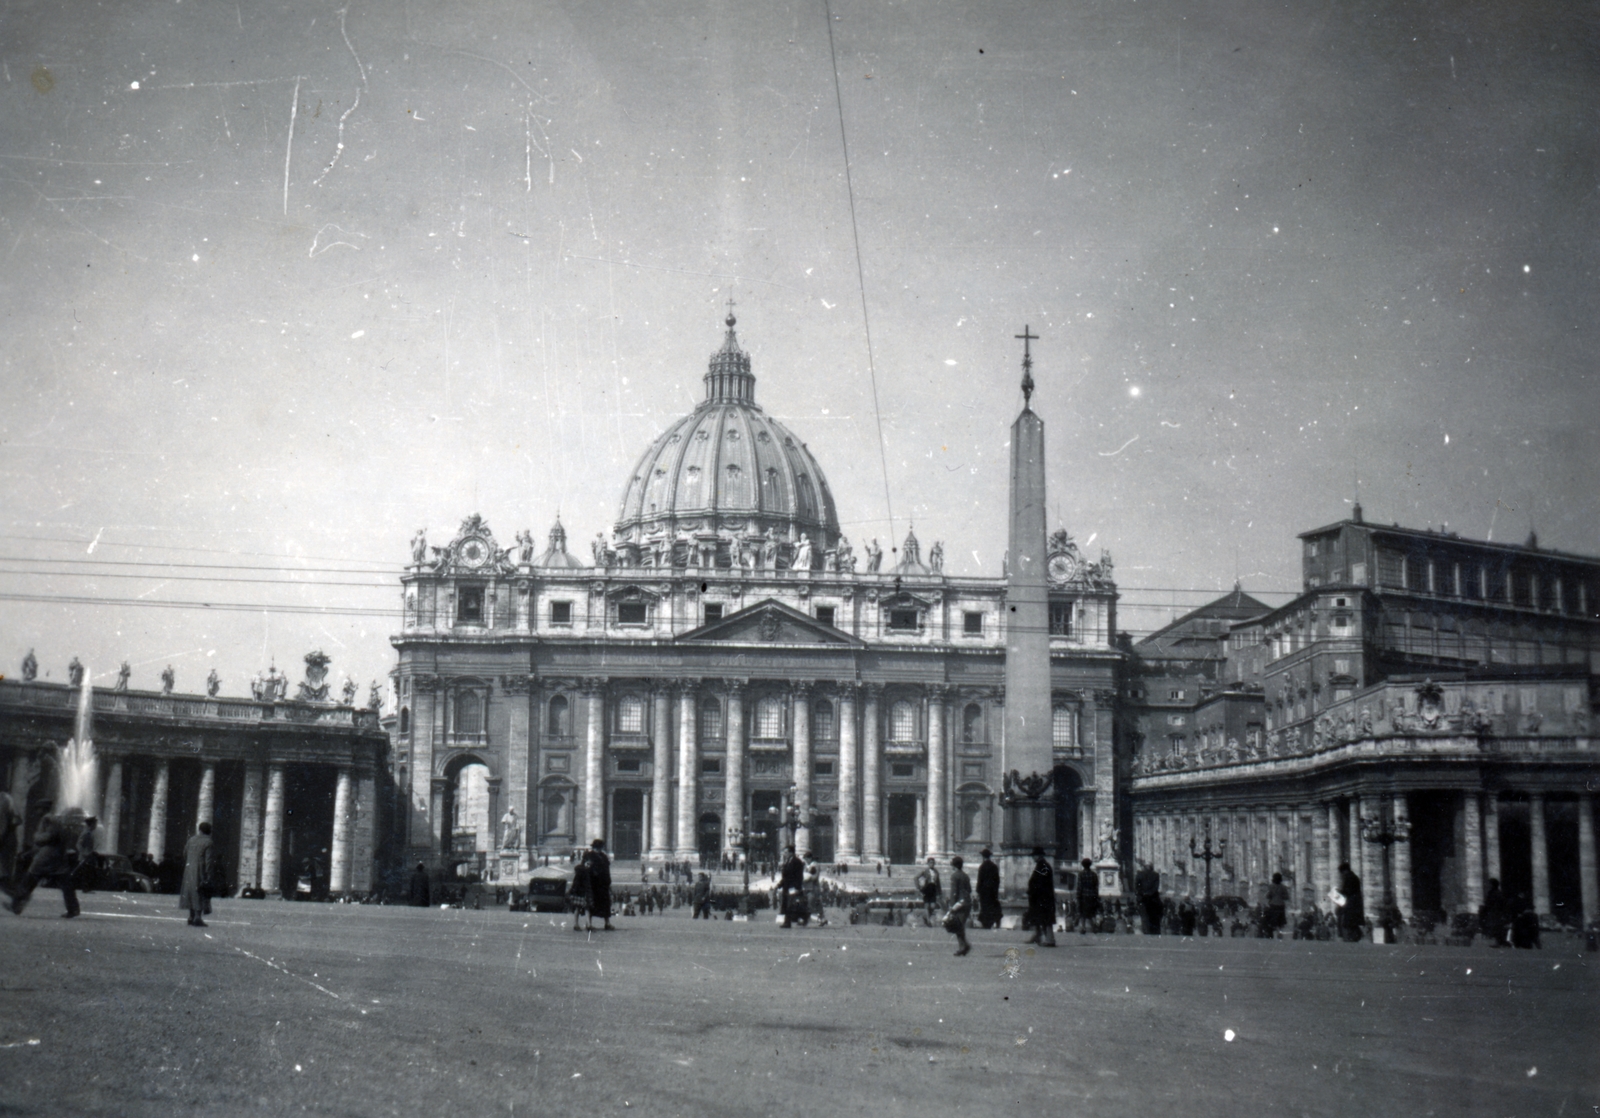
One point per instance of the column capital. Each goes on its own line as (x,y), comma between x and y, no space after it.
(518,684)
(802,688)
(594,685)
(687,687)
(847,689)
(871,691)
(736,685)
(939,692)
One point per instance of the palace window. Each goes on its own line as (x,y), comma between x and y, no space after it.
(1060,619)
(769,717)
(713,612)
(560,724)
(630,715)
(825,615)
(903,619)
(972,623)
(405,720)
(902,769)
(902,721)
(824,768)
(632,613)
(468,714)
(469,605)
(561,613)
(1063,727)
(710,721)
(822,721)
(627,764)
(711,766)
(972,724)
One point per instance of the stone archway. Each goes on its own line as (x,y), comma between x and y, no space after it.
(466,814)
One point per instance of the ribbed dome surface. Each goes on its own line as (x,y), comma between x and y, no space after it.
(728,468)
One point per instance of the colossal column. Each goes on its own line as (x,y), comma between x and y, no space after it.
(272,832)
(1541,854)
(688,775)
(1472,855)
(594,788)
(339,855)
(802,764)
(208,793)
(661,775)
(1586,859)
(938,776)
(871,778)
(156,843)
(1402,858)
(1029,820)
(849,777)
(366,791)
(733,796)
(111,809)
(1322,863)
(250,827)
(1491,835)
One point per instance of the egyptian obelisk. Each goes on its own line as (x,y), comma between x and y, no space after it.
(1029,819)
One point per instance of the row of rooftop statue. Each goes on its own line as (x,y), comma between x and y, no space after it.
(271,686)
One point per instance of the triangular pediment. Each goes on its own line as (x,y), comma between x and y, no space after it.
(770,622)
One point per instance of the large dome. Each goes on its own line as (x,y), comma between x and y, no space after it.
(724,475)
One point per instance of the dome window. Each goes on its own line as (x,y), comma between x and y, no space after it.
(733,434)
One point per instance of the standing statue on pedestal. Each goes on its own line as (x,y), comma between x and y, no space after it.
(75,673)
(769,551)
(169,680)
(419,548)
(802,554)
(936,557)
(844,558)
(30,667)
(874,557)
(348,693)
(375,697)
(122,676)
(213,683)
(510,830)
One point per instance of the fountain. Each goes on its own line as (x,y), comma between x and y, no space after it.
(79,777)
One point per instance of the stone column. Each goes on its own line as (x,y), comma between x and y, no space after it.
(250,827)
(938,774)
(206,807)
(156,843)
(1336,841)
(801,723)
(1541,854)
(1322,865)
(272,832)
(871,778)
(339,855)
(1586,859)
(661,776)
(594,783)
(733,780)
(922,827)
(111,811)
(362,826)
(849,844)
(1361,854)
(1402,858)
(1472,851)
(443,830)
(688,774)
(1491,835)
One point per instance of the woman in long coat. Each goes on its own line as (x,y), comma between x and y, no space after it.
(199,868)
(1042,900)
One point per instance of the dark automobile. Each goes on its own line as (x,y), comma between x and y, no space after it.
(547,888)
(113,873)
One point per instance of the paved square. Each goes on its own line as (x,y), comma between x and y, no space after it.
(356,1010)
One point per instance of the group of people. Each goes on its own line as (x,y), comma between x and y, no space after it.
(590,891)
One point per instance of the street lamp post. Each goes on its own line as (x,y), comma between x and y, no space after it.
(1385,833)
(1208,855)
(739,839)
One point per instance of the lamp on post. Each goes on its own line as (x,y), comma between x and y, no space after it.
(1208,914)
(1385,833)
(739,839)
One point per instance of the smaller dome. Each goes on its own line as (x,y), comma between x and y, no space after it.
(911,557)
(556,555)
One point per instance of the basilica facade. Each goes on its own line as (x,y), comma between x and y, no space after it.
(723,662)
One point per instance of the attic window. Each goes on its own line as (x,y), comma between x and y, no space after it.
(631,613)
(903,619)
(825,614)
(561,613)
(713,612)
(469,609)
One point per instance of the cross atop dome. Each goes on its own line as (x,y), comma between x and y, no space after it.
(729,376)
(1027,365)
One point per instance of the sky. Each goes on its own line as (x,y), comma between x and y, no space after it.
(282,287)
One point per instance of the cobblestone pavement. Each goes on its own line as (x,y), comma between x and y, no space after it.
(352,1010)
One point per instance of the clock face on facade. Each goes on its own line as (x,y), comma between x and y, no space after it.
(1061,568)
(474,552)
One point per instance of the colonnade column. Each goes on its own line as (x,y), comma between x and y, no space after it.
(206,807)
(1402,858)
(1362,854)
(1336,840)
(1586,859)
(1321,864)
(272,831)
(871,778)
(688,764)
(1491,835)
(1472,855)
(661,774)
(156,843)
(594,786)
(339,854)
(802,764)
(733,781)
(111,810)
(250,827)
(938,775)
(849,845)
(1541,854)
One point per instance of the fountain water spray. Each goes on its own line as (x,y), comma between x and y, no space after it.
(79,777)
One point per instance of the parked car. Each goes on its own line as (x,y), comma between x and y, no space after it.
(547,888)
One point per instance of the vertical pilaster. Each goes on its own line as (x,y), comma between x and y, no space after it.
(206,807)
(661,774)
(801,723)
(1491,835)
(362,827)
(250,826)
(733,782)
(272,832)
(849,845)
(871,778)
(1541,854)
(1472,850)
(1402,857)
(938,774)
(339,855)
(110,830)
(425,829)
(156,843)
(519,754)
(688,774)
(1586,859)
(594,783)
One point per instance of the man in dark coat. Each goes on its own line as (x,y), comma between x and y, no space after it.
(1042,900)
(1277,905)
(791,887)
(49,863)
(1351,914)
(1494,918)
(955,920)
(420,894)
(10,838)
(1147,888)
(199,873)
(1088,898)
(988,890)
(600,884)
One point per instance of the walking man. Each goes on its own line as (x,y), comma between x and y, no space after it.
(1042,900)
(1351,915)
(988,890)
(599,884)
(578,896)
(1147,889)
(791,888)
(928,883)
(199,871)
(49,863)
(419,886)
(702,897)
(1088,898)
(955,920)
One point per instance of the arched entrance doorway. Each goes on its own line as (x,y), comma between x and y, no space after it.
(464,818)
(627,824)
(710,835)
(901,846)
(1068,786)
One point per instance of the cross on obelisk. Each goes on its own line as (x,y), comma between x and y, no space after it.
(1027,364)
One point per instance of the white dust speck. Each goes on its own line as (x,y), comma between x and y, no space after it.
(1532,1072)
(577,1075)
(1525,270)
(297,1067)
(133,85)
(195,258)
(1227,1035)
(949,360)
(353,337)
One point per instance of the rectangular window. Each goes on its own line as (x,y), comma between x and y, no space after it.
(711,766)
(902,769)
(713,612)
(825,615)
(903,620)
(561,613)
(630,715)
(469,607)
(824,768)
(1060,619)
(972,623)
(630,613)
(1358,573)
(627,764)
(1175,696)
(1341,667)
